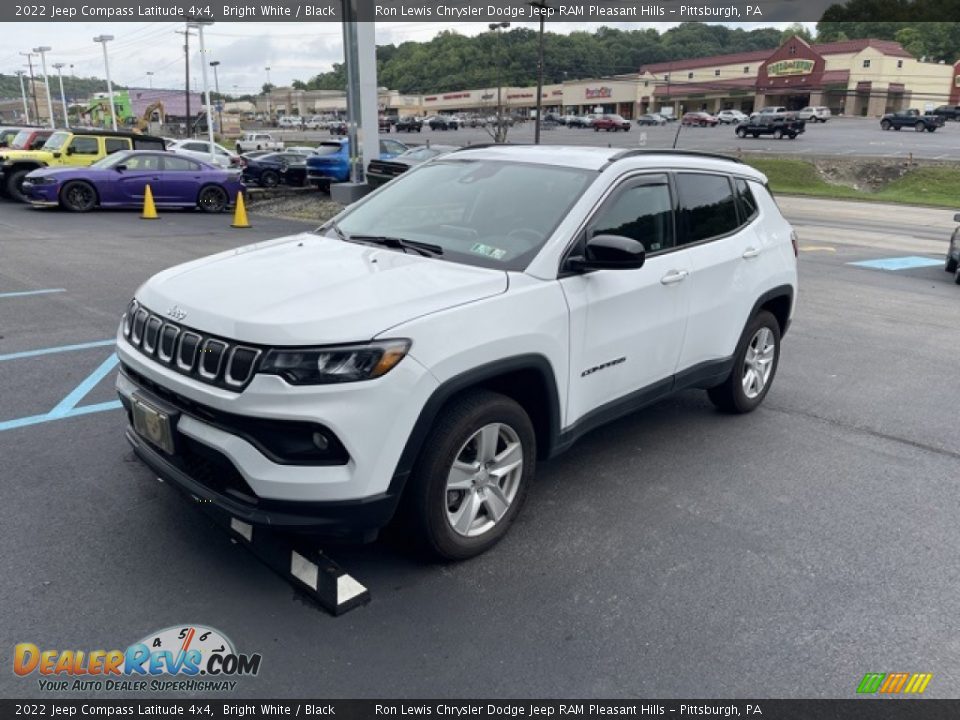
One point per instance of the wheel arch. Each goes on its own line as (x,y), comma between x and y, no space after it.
(778,302)
(68,183)
(528,379)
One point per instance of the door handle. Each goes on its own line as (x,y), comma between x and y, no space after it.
(750,252)
(674,276)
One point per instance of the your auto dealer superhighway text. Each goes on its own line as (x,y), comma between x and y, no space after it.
(505,710)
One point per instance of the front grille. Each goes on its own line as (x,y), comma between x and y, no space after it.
(209,359)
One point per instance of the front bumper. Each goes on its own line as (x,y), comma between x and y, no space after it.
(41,195)
(219,459)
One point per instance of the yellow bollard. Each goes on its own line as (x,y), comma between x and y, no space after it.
(240,214)
(149,209)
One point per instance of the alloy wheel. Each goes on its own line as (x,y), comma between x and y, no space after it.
(758,362)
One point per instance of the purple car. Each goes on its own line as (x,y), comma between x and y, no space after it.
(120,180)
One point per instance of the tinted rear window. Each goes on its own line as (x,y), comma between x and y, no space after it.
(142,143)
(707,206)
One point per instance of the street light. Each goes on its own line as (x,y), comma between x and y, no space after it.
(150,78)
(23,94)
(199,25)
(63,97)
(216,84)
(494,27)
(43,50)
(103,40)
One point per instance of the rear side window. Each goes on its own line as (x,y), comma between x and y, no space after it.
(707,206)
(748,203)
(172,162)
(642,212)
(148,144)
(116,144)
(85,146)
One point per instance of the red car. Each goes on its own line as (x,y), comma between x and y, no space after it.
(700,119)
(610,122)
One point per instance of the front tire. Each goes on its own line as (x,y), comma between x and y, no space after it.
(472,477)
(269,179)
(78,196)
(14,184)
(754,367)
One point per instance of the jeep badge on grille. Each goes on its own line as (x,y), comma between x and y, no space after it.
(176,313)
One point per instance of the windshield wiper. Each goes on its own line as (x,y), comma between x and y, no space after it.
(425,249)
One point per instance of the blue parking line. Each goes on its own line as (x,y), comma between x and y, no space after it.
(898,263)
(58,349)
(81,390)
(67,407)
(31,292)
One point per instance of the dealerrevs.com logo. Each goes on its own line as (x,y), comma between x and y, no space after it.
(179,658)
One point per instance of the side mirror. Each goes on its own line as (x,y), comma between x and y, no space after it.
(70,150)
(610,252)
(956,217)
(120,168)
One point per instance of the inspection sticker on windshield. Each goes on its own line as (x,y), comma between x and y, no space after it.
(490,252)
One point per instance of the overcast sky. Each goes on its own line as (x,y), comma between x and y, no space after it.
(291,50)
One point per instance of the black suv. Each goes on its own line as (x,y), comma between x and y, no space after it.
(409,124)
(779,126)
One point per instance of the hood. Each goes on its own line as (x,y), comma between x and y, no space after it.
(40,156)
(312,290)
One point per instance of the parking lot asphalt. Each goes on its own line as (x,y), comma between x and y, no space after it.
(840,137)
(676,552)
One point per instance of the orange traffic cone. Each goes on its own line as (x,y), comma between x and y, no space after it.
(149,209)
(240,214)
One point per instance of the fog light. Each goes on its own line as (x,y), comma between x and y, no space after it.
(321,441)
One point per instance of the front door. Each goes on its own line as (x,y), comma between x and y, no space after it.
(83,150)
(627,326)
(138,172)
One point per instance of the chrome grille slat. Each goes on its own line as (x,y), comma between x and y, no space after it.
(208,359)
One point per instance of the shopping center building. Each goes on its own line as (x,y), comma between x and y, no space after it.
(852,77)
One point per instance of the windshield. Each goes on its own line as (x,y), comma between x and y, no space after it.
(21,139)
(481,212)
(56,141)
(110,160)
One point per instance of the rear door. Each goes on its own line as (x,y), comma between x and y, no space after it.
(717,224)
(181,179)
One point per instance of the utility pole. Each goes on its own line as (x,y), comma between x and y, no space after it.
(33,87)
(23,94)
(542,6)
(269,98)
(63,97)
(103,40)
(500,135)
(43,50)
(186,54)
(150,78)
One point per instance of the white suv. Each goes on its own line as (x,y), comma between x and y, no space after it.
(814,114)
(439,337)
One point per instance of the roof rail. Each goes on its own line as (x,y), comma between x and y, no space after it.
(669,151)
(481,146)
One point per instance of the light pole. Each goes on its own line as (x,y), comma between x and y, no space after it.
(150,78)
(216,84)
(23,94)
(63,97)
(33,85)
(199,25)
(43,50)
(494,27)
(269,99)
(103,40)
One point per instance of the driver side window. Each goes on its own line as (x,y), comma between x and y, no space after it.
(642,211)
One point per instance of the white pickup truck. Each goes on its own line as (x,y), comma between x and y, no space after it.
(258,141)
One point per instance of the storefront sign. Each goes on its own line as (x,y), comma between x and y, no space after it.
(456,96)
(790,67)
(600,92)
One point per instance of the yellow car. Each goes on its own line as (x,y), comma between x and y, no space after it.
(67,148)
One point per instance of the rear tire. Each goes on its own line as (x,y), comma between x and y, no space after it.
(754,367)
(472,477)
(741,133)
(78,196)
(212,199)
(268,178)
(885,125)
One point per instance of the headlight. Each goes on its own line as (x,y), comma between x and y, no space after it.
(345,363)
(45,180)
(127,319)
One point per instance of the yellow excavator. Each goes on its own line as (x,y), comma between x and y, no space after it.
(154,113)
